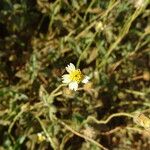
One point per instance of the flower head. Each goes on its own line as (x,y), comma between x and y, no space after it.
(41,137)
(74,77)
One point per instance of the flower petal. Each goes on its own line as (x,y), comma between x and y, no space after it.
(70,68)
(73,86)
(66,78)
(86,79)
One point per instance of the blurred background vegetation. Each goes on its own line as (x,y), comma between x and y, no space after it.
(108,40)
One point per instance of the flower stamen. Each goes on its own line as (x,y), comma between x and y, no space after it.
(76,75)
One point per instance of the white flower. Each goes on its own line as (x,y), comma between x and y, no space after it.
(86,79)
(41,137)
(74,77)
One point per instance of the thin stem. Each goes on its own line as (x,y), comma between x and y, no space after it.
(85,50)
(111,131)
(54,91)
(138,93)
(46,133)
(122,33)
(109,118)
(82,136)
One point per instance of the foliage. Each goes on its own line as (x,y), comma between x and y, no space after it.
(108,40)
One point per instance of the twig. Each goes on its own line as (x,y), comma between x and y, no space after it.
(23,109)
(122,33)
(82,136)
(111,131)
(108,119)
(65,139)
(46,133)
(138,93)
(94,22)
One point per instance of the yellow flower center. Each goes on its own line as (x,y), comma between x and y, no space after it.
(76,75)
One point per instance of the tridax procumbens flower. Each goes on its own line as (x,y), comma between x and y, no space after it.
(74,77)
